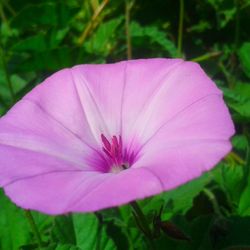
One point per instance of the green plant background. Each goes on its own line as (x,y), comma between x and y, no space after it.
(38,37)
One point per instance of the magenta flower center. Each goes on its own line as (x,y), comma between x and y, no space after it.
(117,156)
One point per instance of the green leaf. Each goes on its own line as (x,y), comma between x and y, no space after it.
(240,142)
(230,178)
(17,82)
(238,99)
(63,230)
(200,27)
(36,43)
(155,36)
(244,205)
(43,15)
(242,89)
(225,16)
(56,36)
(2,110)
(90,234)
(4,90)
(225,11)
(242,108)
(50,60)
(182,197)
(66,247)
(234,97)
(118,235)
(180,200)
(102,41)
(14,229)
(199,231)
(54,246)
(235,235)
(244,55)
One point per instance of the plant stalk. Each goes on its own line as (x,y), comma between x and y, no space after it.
(142,222)
(128,37)
(213,201)
(237,25)
(4,64)
(90,25)
(180,29)
(34,228)
(206,56)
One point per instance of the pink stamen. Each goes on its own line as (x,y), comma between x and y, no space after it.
(118,156)
(115,141)
(113,149)
(106,143)
(107,152)
(120,143)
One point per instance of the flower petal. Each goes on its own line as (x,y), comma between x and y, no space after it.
(189,143)
(182,84)
(100,89)
(48,122)
(62,192)
(168,111)
(58,97)
(144,80)
(114,95)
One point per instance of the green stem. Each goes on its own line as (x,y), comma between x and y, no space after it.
(2,102)
(10,9)
(180,29)
(243,6)
(34,228)
(226,74)
(206,56)
(213,200)
(127,20)
(236,158)
(123,214)
(2,14)
(99,230)
(2,55)
(142,221)
(90,25)
(237,26)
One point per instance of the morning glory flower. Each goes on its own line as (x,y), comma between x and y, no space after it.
(97,136)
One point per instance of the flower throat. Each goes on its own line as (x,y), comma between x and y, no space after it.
(117,156)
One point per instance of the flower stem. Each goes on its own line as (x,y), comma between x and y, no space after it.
(142,222)
(180,29)
(34,228)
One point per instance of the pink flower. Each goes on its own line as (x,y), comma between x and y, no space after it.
(98,136)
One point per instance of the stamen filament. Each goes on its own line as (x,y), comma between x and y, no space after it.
(113,149)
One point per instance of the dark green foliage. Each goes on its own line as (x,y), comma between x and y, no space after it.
(39,37)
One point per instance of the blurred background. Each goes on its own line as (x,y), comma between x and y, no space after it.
(40,37)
